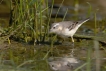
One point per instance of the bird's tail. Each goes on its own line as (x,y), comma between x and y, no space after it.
(83,21)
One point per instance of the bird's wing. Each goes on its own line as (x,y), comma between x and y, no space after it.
(68,24)
(74,24)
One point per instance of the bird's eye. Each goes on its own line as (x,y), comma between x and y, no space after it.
(54,27)
(52,65)
(77,22)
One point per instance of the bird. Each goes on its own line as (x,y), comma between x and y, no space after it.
(66,28)
(64,64)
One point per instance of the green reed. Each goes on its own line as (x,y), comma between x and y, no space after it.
(95,23)
(89,59)
(32,14)
(89,10)
(76,9)
(59,9)
(65,14)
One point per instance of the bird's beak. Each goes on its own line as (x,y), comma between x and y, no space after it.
(50,31)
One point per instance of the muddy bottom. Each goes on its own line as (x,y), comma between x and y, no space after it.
(23,56)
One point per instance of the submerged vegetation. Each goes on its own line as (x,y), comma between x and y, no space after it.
(29,23)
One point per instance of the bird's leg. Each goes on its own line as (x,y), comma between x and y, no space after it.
(72,52)
(72,41)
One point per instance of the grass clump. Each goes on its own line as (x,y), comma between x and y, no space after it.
(32,16)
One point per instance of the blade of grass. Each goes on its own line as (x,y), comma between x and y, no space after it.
(49,18)
(59,9)
(65,14)
(89,10)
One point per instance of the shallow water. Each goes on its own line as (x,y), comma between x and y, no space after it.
(26,56)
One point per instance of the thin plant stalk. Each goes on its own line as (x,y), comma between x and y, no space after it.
(49,18)
(41,21)
(36,22)
(65,14)
(77,69)
(76,9)
(50,50)
(89,58)
(97,55)
(95,23)
(89,10)
(95,19)
(59,9)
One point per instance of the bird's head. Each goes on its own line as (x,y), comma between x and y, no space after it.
(55,28)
